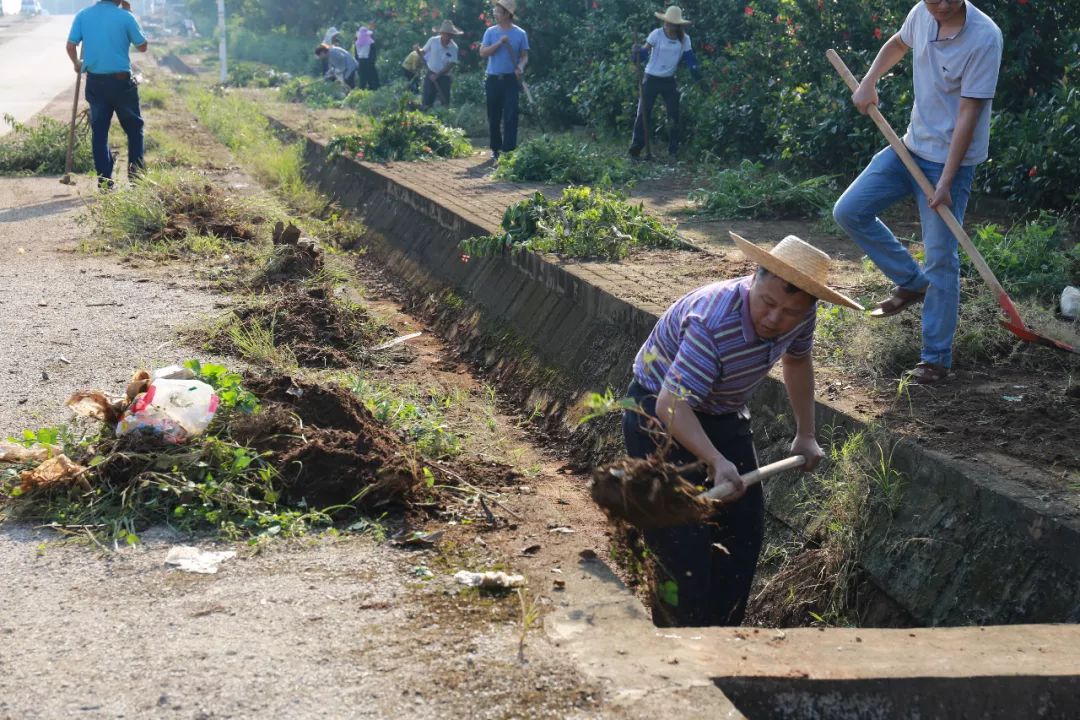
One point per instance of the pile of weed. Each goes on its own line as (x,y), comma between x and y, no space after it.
(244,73)
(298,325)
(564,160)
(1036,258)
(168,209)
(42,149)
(281,456)
(751,191)
(583,222)
(315,93)
(403,135)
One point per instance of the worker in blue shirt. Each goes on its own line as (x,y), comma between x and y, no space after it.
(506,48)
(106,30)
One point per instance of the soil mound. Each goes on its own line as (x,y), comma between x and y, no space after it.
(320,330)
(327,447)
(204,213)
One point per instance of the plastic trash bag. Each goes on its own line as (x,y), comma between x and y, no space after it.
(172,410)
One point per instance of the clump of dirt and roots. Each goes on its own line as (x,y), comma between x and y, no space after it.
(309,326)
(281,455)
(649,493)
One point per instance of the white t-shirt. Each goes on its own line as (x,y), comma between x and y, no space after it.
(665,54)
(438,57)
(945,70)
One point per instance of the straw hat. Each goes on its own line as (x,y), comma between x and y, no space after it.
(673,15)
(509,6)
(447,27)
(798,262)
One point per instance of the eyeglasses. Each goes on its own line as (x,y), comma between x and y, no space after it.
(938,2)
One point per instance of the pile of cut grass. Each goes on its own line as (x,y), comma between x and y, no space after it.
(42,149)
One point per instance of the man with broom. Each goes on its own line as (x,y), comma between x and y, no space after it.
(106,31)
(694,377)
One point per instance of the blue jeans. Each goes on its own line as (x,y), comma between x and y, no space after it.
(107,94)
(885,181)
(502,110)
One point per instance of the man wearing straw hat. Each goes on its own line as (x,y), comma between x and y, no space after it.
(506,47)
(440,55)
(695,375)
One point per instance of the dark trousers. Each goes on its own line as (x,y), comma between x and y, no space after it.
(367,75)
(438,90)
(502,111)
(350,79)
(108,94)
(696,583)
(652,86)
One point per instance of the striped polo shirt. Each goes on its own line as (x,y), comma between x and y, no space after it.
(704,348)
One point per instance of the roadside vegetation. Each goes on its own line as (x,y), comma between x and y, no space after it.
(41,148)
(752,191)
(566,161)
(403,135)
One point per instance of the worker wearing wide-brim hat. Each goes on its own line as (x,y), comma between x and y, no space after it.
(665,49)
(506,48)
(694,376)
(440,55)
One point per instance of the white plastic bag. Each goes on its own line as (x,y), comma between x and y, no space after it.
(1070,302)
(173,410)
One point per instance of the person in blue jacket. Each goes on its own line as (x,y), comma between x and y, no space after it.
(665,49)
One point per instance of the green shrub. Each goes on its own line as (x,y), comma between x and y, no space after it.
(389,97)
(313,92)
(1032,259)
(252,74)
(565,161)
(404,135)
(42,149)
(470,117)
(584,222)
(751,191)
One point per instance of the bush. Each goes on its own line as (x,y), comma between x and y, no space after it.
(1032,259)
(564,161)
(42,150)
(315,93)
(252,74)
(389,97)
(404,135)
(582,223)
(751,191)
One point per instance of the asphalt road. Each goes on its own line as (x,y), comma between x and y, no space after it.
(36,68)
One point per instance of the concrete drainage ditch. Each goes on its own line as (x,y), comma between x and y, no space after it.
(960,546)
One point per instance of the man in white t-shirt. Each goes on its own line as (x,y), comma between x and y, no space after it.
(440,55)
(956,54)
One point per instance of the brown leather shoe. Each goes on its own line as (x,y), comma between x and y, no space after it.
(896,302)
(928,373)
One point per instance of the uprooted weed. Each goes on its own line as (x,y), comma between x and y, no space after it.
(298,325)
(277,461)
(169,211)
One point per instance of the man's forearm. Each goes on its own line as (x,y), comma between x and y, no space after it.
(799,381)
(890,53)
(523,60)
(72,51)
(966,119)
(679,419)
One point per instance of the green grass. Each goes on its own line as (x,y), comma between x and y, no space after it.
(421,413)
(153,97)
(1035,258)
(42,149)
(751,191)
(241,126)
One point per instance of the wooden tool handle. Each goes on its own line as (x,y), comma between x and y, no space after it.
(920,177)
(755,476)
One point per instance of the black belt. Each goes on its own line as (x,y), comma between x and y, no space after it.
(502,75)
(118,76)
